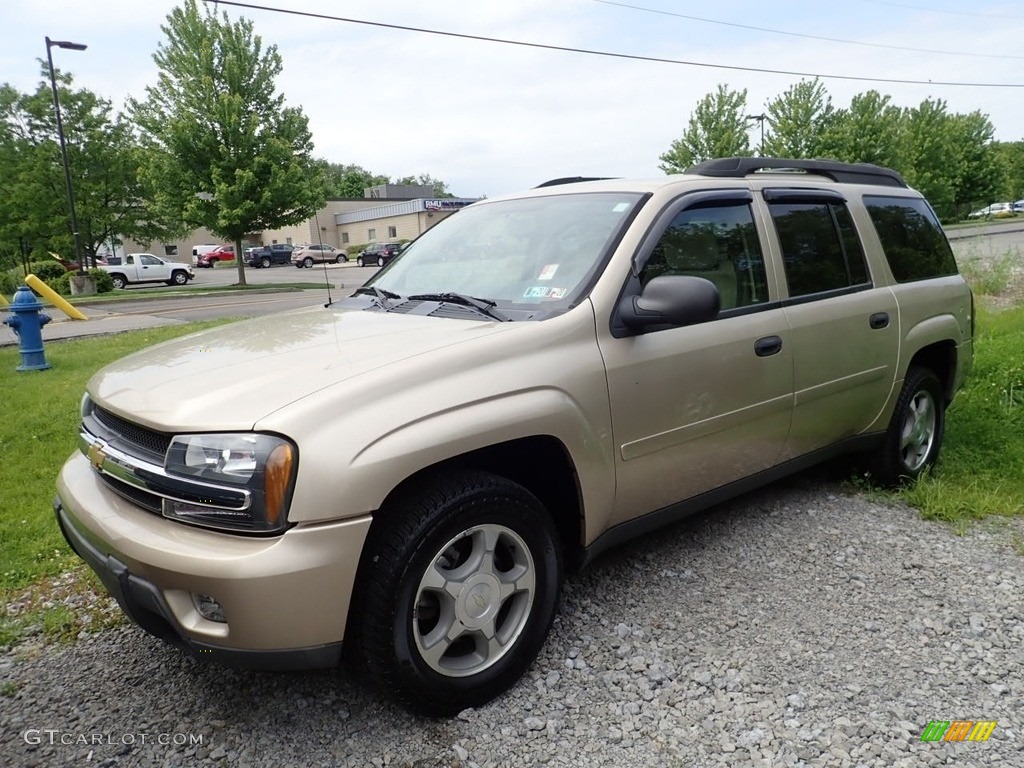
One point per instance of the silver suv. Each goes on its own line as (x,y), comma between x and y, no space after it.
(408,472)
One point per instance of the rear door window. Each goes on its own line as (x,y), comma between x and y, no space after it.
(821,250)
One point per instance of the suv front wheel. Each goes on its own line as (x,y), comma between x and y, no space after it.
(459,584)
(912,441)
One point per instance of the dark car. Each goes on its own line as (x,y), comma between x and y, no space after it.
(378,253)
(275,253)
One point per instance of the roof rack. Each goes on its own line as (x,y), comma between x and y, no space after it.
(849,173)
(571,180)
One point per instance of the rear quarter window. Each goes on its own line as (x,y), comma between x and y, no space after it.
(911,237)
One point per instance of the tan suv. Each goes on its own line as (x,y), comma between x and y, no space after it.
(408,472)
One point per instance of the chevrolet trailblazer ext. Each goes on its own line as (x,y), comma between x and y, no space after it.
(408,472)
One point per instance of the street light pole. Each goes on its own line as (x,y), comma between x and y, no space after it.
(63,145)
(760,118)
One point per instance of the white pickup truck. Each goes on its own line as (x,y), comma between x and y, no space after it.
(146,268)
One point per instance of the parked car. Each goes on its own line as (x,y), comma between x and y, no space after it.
(378,253)
(410,470)
(991,211)
(220,253)
(201,250)
(72,266)
(317,253)
(268,255)
(1018,207)
(146,268)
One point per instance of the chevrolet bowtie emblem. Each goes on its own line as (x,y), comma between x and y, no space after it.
(96,455)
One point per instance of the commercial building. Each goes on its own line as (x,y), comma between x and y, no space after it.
(387,213)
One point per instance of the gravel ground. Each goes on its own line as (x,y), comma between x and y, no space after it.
(798,626)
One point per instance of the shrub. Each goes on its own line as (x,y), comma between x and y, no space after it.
(62,284)
(104,282)
(47,271)
(9,282)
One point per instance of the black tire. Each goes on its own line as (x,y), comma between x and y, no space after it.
(178,278)
(914,436)
(380,261)
(265,262)
(119,281)
(341,259)
(360,262)
(307,262)
(432,532)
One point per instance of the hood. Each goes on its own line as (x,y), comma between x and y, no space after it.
(229,378)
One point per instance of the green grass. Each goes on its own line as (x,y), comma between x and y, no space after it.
(981,471)
(37,433)
(992,273)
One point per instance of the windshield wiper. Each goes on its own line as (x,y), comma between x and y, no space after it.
(379,294)
(484,306)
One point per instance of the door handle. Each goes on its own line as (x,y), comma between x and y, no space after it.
(768,346)
(879,320)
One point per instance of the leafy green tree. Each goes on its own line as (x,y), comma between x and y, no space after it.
(349,180)
(867,132)
(798,120)
(718,127)
(975,162)
(226,153)
(928,154)
(425,179)
(1010,156)
(103,156)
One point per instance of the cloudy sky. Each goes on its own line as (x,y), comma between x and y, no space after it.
(492,118)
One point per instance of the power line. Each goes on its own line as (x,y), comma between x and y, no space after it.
(942,10)
(809,37)
(610,54)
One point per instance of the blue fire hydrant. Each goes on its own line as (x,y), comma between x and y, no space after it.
(27,321)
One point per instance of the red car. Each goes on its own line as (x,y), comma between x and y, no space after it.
(220,253)
(72,266)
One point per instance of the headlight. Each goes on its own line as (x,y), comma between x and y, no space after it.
(261,465)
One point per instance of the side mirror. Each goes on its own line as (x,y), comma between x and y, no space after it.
(670,300)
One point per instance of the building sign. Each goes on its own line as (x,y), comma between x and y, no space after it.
(445,205)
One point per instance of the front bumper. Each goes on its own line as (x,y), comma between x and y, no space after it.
(285,598)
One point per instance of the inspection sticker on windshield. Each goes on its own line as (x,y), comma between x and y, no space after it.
(545,292)
(547,271)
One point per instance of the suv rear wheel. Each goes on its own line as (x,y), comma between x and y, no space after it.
(912,441)
(459,584)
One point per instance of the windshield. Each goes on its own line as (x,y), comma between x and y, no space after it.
(525,255)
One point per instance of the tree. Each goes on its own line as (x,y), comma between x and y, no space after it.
(717,128)
(975,162)
(799,119)
(349,180)
(867,132)
(226,153)
(103,157)
(1010,155)
(928,154)
(440,188)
